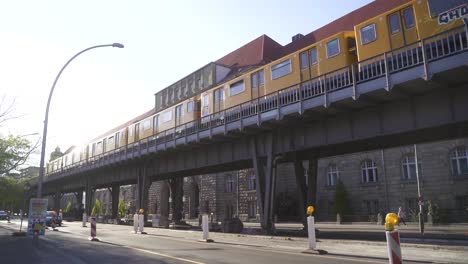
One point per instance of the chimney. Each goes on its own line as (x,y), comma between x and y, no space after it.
(297,37)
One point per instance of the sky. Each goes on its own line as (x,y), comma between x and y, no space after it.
(103,88)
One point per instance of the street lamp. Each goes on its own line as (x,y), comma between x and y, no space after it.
(44,134)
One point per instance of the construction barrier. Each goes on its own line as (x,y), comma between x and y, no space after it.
(135,223)
(141,224)
(84,220)
(93,230)
(311,232)
(393,247)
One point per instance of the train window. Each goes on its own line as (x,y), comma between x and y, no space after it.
(167,116)
(110,140)
(281,69)
(117,139)
(313,56)
(254,81)
(304,60)
(130,131)
(261,78)
(409,17)
(394,22)
(368,34)
(156,121)
(189,106)
(206,99)
(236,88)
(146,124)
(333,48)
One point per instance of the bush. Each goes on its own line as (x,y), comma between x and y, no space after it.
(341,204)
(97,208)
(68,208)
(121,209)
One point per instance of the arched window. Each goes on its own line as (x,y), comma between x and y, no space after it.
(368,171)
(332,175)
(459,161)
(408,166)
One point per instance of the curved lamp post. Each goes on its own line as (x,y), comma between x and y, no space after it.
(44,134)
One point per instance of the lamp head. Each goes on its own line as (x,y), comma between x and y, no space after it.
(118,45)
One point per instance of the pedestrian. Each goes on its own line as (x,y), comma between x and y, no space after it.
(401,216)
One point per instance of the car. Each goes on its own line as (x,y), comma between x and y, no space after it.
(52,216)
(3,215)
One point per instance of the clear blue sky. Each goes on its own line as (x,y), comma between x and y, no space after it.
(164,41)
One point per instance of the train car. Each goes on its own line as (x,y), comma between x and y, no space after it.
(325,56)
(150,123)
(399,27)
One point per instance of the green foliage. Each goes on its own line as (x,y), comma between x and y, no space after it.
(97,208)
(11,194)
(68,207)
(121,209)
(14,151)
(55,154)
(342,204)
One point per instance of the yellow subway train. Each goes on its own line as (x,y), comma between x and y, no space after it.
(393,31)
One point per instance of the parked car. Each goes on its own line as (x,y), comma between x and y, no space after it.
(3,215)
(52,216)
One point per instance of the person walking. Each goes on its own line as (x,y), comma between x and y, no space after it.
(401,216)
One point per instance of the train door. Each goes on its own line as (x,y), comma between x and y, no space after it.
(178,115)
(218,100)
(137,131)
(258,84)
(402,28)
(155,124)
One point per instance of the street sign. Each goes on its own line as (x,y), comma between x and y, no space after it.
(37,214)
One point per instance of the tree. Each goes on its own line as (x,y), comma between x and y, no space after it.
(14,150)
(342,204)
(121,209)
(68,207)
(12,194)
(97,208)
(56,154)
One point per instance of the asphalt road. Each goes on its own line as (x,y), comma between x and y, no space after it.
(119,245)
(71,245)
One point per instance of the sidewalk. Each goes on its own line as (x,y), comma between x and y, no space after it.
(456,234)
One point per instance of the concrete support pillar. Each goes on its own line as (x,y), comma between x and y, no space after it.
(301,189)
(164,204)
(264,172)
(312,182)
(57,197)
(115,191)
(177,191)
(89,199)
(143,185)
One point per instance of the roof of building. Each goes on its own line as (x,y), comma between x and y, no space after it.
(258,51)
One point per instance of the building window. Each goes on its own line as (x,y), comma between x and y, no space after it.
(313,56)
(252,182)
(281,69)
(229,183)
(333,48)
(408,166)
(190,106)
(394,22)
(459,161)
(368,34)
(371,207)
(252,209)
(409,17)
(369,171)
(304,60)
(236,88)
(332,175)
